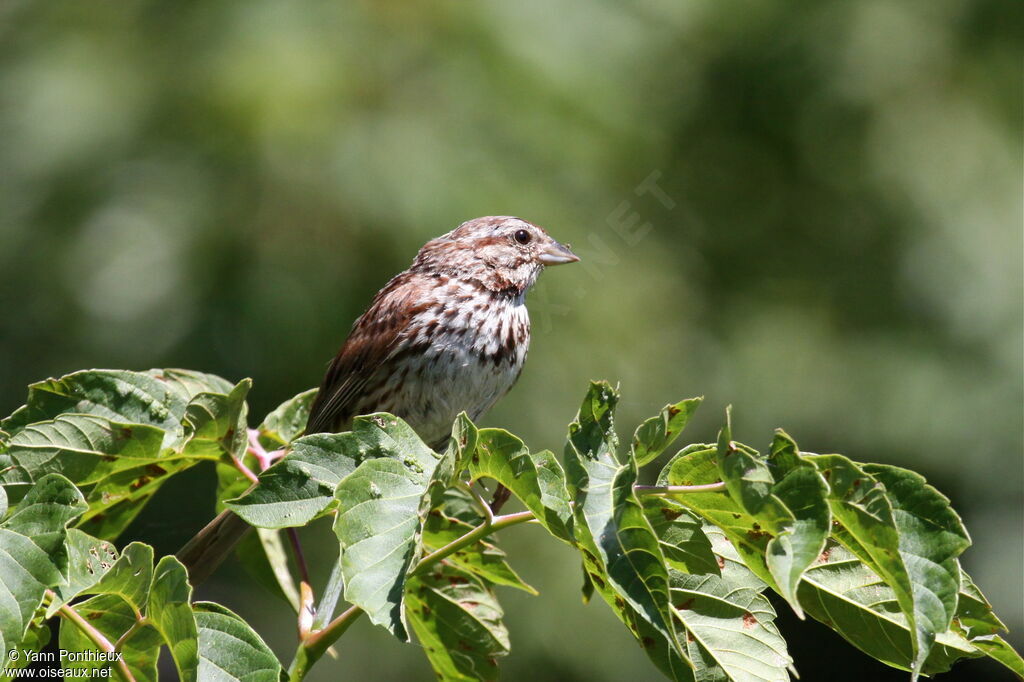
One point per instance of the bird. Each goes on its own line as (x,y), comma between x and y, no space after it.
(448,335)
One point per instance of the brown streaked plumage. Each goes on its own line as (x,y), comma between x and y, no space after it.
(448,335)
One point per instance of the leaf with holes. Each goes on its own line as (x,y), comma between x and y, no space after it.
(381,508)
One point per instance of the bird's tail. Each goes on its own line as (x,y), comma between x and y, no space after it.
(204,553)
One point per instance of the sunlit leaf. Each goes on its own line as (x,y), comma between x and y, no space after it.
(931,537)
(287,421)
(656,434)
(683,542)
(214,423)
(84,448)
(535,479)
(230,650)
(615,537)
(381,506)
(301,485)
(730,632)
(170,613)
(482,558)
(118,395)
(457,620)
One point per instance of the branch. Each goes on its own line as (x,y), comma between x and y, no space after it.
(95,636)
(678,489)
(316,644)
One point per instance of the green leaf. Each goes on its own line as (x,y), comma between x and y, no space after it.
(731,633)
(656,434)
(33,556)
(683,543)
(931,537)
(113,617)
(171,615)
(803,491)
(214,423)
(115,501)
(861,504)
(300,486)
(748,479)
(733,570)
(25,573)
(535,479)
(381,506)
(482,559)
(618,544)
(287,421)
(151,602)
(777,505)
(457,620)
(129,578)
(188,383)
(117,395)
(697,465)
(799,542)
(996,648)
(84,448)
(843,592)
(89,559)
(230,650)
(37,637)
(44,513)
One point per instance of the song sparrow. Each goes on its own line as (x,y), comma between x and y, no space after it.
(448,335)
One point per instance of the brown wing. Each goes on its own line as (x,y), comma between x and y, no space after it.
(374,338)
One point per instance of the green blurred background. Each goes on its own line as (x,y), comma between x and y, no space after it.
(834,243)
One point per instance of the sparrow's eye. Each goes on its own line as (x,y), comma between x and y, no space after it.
(522,236)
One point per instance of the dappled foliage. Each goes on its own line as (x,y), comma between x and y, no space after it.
(686,565)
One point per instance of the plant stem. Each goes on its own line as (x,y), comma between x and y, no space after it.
(489,526)
(95,636)
(306,609)
(678,489)
(316,644)
(246,471)
(300,558)
(136,626)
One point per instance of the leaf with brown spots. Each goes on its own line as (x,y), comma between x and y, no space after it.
(458,621)
(656,434)
(731,632)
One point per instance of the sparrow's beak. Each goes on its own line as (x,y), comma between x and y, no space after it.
(557,254)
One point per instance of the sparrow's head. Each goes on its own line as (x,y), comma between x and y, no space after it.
(504,253)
